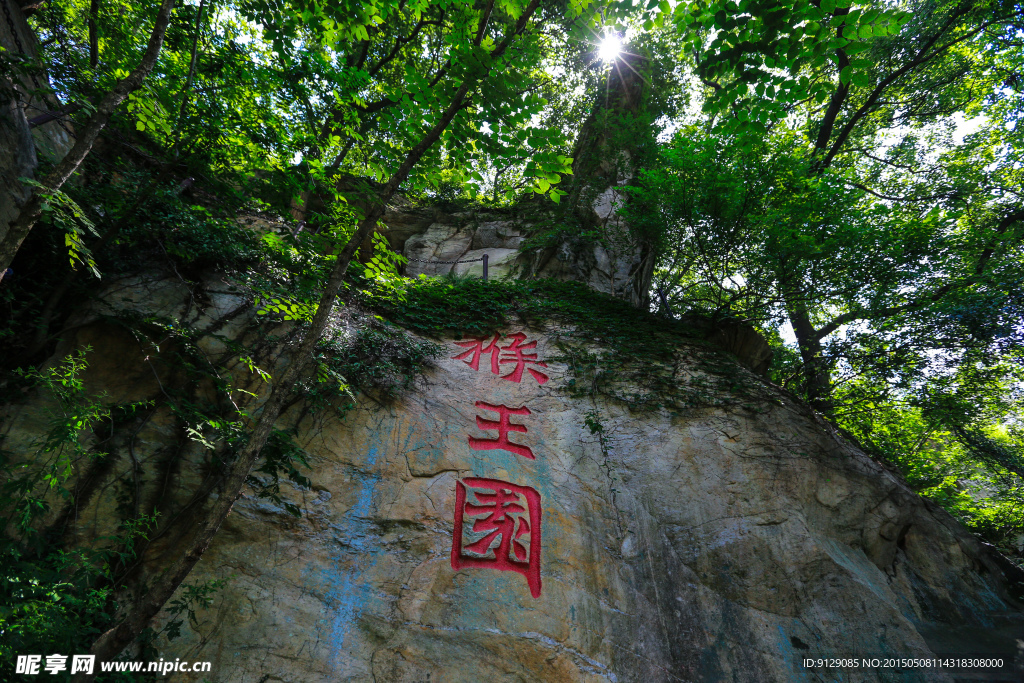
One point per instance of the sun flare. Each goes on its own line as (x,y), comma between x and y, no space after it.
(610,47)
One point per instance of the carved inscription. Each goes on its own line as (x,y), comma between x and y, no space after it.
(497,523)
(504,426)
(515,354)
(498,526)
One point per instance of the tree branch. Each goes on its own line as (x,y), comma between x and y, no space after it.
(94,41)
(399,42)
(925,198)
(191,76)
(923,56)
(835,104)
(33,208)
(108,645)
(938,294)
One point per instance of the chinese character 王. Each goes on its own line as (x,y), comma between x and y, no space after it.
(504,426)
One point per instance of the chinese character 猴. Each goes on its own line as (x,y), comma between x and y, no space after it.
(492,522)
(502,355)
(504,426)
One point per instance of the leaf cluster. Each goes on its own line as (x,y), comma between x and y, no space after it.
(55,599)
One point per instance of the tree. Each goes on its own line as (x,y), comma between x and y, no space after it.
(483,71)
(85,139)
(855,172)
(826,86)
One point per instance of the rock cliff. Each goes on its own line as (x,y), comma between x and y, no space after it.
(496,523)
(438,242)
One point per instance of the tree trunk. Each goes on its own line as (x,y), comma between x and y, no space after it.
(94,38)
(817,378)
(32,209)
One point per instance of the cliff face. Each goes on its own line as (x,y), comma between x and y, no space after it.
(489,526)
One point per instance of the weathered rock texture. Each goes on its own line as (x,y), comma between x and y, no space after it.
(437,243)
(716,546)
(464,238)
(719,544)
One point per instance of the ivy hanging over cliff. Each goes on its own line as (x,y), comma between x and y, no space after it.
(611,349)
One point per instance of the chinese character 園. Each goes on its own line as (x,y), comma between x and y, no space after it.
(497,526)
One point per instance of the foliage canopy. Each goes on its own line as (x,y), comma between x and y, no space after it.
(846,177)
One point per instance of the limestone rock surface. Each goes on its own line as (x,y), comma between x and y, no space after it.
(436,242)
(721,545)
(718,544)
(456,244)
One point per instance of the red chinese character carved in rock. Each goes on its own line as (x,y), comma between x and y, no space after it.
(504,425)
(494,511)
(476,349)
(501,355)
(513,353)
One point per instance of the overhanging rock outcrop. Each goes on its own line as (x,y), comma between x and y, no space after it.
(438,242)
